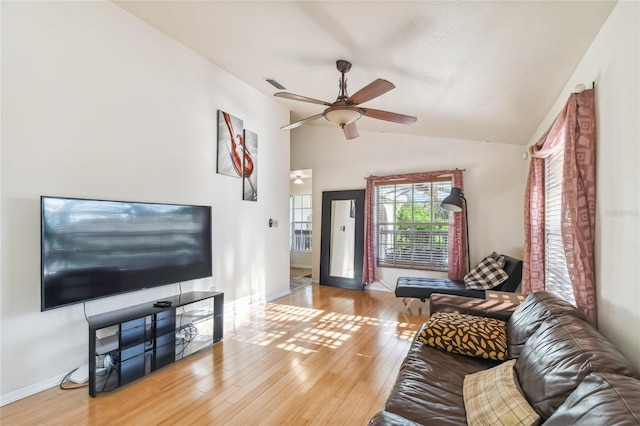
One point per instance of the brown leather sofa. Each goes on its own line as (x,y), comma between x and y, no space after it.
(569,373)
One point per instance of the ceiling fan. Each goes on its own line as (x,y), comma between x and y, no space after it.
(346,109)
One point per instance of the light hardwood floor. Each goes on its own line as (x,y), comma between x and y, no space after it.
(321,355)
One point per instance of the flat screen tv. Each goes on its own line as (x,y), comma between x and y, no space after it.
(96,248)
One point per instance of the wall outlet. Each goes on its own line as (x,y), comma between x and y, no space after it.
(275,223)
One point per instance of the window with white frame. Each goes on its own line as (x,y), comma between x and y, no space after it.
(300,212)
(412,231)
(556,275)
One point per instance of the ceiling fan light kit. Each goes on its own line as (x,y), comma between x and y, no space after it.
(345,111)
(341,116)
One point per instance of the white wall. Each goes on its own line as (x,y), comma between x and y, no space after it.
(612,62)
(494,181)
(97,104)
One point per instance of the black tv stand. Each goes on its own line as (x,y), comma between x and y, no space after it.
(129,343)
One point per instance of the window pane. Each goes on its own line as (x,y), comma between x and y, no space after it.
(301,222)
(412,230)
(556,273)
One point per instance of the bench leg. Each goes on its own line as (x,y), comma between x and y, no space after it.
(407,304)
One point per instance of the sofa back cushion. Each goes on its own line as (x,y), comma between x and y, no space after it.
(526,319)
(559,355)
(601,399)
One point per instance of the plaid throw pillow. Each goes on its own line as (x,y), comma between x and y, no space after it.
(498,257)
(487,274)
(493,397)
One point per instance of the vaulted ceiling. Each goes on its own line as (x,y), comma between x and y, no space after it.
(481,70)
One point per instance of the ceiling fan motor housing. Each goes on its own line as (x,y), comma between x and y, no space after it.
(343,66)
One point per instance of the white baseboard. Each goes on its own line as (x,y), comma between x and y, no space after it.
(30,390)
(295,265)
(379,286)
(279,295)
(244,304)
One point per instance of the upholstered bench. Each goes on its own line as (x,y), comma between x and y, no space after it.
(422,288)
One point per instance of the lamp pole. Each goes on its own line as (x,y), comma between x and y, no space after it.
(453,203)
(466,227)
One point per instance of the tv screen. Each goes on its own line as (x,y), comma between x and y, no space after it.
(97,248)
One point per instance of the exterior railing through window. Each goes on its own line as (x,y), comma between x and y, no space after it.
(301,222)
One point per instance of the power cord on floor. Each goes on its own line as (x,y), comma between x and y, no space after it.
(385,286)
(73,385)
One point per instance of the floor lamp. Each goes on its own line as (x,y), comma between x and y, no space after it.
(453,203)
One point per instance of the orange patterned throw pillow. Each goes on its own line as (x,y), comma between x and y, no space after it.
(467,335)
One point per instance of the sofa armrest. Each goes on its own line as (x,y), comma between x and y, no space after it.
(472,306)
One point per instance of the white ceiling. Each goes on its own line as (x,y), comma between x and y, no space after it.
(482,70)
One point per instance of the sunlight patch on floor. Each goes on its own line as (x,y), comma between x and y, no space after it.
(322,329)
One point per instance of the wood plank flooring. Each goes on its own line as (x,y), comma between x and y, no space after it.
(319,356)
(299,277)
(299,272)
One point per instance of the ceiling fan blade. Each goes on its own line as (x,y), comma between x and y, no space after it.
(301,122)
(350,131)
(370,91)
(291,96)
(388,116)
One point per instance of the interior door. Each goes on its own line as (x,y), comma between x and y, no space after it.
(342,239)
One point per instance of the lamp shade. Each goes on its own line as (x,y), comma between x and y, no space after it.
(342,116)
(298,180)
(453,202)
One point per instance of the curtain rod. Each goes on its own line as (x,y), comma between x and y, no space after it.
(462,170)
(581,87)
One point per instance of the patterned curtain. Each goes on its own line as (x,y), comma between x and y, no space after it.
(534,241)
(457,233)
(574,131)
(579,201)
(534,205)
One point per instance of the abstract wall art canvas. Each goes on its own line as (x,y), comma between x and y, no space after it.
(230,145)
(250,167)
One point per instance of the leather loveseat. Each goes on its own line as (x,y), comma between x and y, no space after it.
(567,371)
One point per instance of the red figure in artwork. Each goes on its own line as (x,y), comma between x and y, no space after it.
(238,150)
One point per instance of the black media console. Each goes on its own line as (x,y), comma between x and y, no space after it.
(129,343)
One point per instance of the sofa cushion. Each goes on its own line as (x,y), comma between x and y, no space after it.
(526,319)
(466,334)
(559,355)
(493,396)
(601,399)
(428,387)
(423,287)
(471,306)
(486,274)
